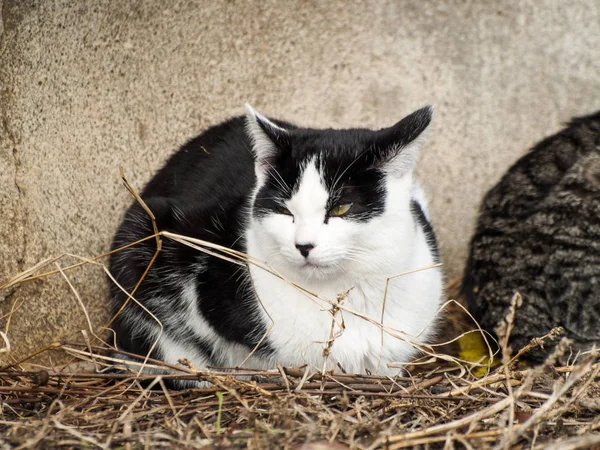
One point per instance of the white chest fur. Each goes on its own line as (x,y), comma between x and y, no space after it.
(301,325)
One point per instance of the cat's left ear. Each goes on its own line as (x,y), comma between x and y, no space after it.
(397,147)
(268,139)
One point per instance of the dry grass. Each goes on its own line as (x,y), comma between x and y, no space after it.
(78,406)
(440,404)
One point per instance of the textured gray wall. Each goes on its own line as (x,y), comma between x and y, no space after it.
(89,86)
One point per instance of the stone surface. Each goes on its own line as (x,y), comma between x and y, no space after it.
(88,86)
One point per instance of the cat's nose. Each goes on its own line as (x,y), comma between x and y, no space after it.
(304,249)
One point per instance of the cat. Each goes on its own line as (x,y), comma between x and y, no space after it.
(334,211)
(538,233)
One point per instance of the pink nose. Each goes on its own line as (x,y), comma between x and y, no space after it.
(304,249)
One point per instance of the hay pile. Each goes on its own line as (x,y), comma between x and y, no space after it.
(445,401)
(445,407)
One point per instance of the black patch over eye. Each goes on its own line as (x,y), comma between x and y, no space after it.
(277,189)
(358,195)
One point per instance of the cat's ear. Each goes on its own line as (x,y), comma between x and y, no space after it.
(267,138)
(397,147)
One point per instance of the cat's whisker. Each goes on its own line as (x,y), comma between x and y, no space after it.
(274,198)
(240,237)
(279,179)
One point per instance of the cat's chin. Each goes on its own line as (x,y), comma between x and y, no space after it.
(317,271)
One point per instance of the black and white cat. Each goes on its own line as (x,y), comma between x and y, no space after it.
(330,210)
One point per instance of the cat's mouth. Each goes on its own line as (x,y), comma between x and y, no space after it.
(316,269)
(311,265)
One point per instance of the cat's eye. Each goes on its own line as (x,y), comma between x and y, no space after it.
(340,210)
(283,210)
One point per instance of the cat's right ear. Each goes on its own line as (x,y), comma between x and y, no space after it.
(396,148)
(267,141)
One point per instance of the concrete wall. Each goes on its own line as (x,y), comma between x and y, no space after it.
(89,86)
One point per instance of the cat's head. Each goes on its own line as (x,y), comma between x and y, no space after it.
(324,199)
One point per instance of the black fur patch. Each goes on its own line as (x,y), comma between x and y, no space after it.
(425,225)
(201,192)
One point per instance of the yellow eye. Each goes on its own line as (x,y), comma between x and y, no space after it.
(283,210)
(340,210)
